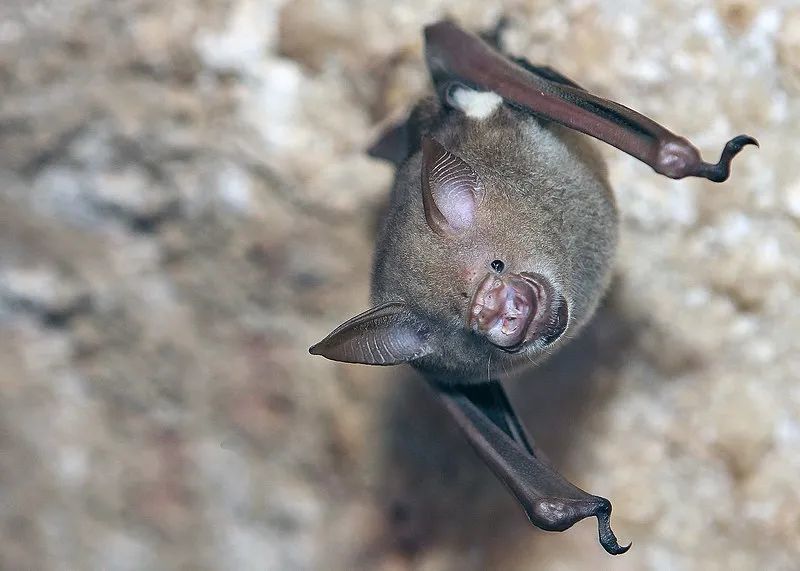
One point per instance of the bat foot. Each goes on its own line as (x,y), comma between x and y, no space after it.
(722,170)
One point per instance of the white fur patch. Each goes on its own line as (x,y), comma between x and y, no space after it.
(476,104)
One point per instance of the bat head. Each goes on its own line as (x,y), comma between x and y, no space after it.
(466,276)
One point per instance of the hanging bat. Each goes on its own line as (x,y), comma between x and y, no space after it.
(499,239)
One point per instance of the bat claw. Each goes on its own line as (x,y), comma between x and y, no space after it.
(722,170)
(607,538)
(559,514)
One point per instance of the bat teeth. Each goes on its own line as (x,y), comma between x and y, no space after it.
(510,326)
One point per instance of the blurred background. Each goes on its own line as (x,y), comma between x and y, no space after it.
(185,207)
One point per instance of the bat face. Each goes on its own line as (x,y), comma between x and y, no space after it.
(507,303)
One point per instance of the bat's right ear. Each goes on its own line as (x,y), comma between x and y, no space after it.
(388,334)
(450,189)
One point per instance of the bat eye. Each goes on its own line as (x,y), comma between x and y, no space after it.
(498,266)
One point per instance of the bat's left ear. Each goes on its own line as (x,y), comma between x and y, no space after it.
(388,334)
(450,189)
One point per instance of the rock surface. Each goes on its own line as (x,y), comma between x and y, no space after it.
(185,207)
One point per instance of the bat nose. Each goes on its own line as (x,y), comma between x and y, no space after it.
(502,309)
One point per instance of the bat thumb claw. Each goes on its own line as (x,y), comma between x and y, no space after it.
(722,170)
(607,538)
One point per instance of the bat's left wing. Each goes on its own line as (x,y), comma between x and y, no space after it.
(550,501)
(403,138)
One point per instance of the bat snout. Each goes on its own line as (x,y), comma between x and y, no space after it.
(511,310)
(502,310)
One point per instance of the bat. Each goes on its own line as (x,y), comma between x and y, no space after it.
(499,239)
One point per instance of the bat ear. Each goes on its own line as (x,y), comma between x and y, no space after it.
(450,189)
(385,335)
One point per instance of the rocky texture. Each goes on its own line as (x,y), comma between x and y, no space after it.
(185,207)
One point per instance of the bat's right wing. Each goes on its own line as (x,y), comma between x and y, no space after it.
(550,501)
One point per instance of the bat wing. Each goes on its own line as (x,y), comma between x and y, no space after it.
(394,143)
(546,72)
(456,57)
(403,138)
(551,502)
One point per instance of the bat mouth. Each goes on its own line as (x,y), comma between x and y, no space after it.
(512,310)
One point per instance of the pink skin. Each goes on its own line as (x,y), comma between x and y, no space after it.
(504,309)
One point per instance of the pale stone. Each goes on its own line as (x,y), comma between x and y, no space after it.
(788,44)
